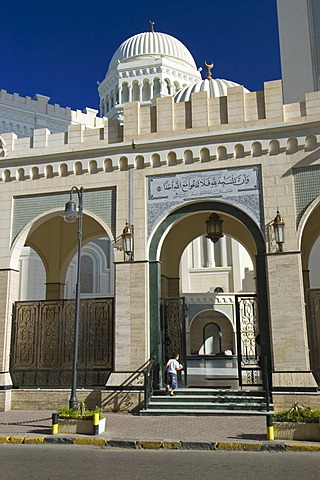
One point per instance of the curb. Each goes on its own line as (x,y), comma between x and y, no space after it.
(161,444)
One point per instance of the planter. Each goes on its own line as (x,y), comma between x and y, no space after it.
(296,431)
(75,425)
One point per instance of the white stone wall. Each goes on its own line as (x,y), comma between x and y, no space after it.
(244,130)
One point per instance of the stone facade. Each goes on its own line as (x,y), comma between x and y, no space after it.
(164,168)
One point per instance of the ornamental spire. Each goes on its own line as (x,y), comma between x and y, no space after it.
(151,26)
(208,66)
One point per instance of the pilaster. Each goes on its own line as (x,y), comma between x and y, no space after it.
(54,291)
(131,316)
(9,284)
(291,367)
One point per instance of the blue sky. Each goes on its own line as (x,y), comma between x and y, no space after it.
(62,48)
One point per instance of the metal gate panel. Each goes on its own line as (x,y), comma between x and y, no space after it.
(42,342)
(248,340)
(173,330)
(314,329)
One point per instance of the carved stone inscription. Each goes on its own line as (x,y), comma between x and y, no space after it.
(237,186)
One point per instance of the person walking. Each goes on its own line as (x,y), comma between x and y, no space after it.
(172,367)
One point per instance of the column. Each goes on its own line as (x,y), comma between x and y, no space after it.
(224,254)
(210,250)
(196,253)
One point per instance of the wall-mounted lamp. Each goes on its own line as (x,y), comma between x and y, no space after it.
(214,227)
(278,226)
(125,242)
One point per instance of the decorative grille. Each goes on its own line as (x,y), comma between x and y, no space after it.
(249,359)
(42,342)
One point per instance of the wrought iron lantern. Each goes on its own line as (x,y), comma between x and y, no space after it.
(127,240)
(214,227)
(278,226)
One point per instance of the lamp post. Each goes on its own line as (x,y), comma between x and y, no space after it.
(70,215)
(278,226)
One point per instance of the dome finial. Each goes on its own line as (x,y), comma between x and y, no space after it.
(208,66)
(151,26)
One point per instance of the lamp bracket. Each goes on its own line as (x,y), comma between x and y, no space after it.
(117,243)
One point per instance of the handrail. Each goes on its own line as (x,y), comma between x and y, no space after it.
(149,380)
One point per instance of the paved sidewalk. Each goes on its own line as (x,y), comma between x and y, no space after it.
(126,430)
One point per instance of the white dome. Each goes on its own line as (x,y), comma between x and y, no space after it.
(152,43)
(216,87)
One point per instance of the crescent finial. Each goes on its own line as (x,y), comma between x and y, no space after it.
(208,66)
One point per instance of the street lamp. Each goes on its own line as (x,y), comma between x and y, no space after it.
(70,215)
(214,227)
(278,226)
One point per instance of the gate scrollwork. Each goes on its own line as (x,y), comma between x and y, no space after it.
(42,342)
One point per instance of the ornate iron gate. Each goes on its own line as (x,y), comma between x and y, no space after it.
(314,330)
(173,329)
(42,343)
(248,339)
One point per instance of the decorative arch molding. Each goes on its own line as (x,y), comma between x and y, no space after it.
(308,230)
(99,204)
(209,206)
(215,308)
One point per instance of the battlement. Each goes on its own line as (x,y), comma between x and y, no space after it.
(40,105)
(239,110)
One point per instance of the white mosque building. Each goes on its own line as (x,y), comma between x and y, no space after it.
(173,157)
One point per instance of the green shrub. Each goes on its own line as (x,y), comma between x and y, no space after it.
(80,412)
(298,413)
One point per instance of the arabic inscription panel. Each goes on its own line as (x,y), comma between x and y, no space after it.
(240,187)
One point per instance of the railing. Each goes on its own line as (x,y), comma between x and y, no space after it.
(150,378)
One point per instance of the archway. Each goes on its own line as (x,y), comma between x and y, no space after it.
(45,328)
(310,249)
(212,344)
(168,242)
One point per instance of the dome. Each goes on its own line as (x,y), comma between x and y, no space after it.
(152,43)
(216,87)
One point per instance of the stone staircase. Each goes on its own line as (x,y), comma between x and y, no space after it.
(192,401)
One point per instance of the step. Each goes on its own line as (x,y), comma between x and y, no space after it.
(209,398)
(198,406)
(213,392)
(204,412)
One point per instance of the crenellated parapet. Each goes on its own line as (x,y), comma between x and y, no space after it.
(202,130)
(23,115)
(238,110)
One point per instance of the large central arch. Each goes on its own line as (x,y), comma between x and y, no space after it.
(190,219)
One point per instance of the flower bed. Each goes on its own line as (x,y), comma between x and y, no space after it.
(297,423)
(80,420)
(80,425)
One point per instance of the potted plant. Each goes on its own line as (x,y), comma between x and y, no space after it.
(80,420)
(297,423)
